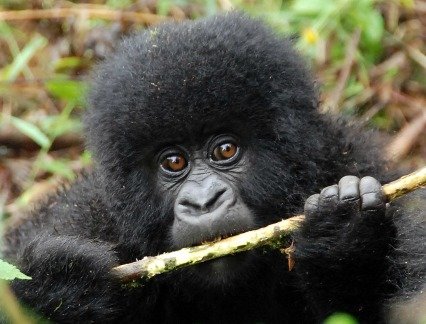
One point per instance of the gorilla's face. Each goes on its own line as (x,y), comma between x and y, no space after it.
(204,180)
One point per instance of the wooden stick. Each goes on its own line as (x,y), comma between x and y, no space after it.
(272,235)
(405,184)
(82,11)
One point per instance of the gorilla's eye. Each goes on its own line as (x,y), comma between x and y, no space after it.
(224,151)
(174,163)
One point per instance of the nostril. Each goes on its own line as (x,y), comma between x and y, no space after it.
(189,204)
(211,202)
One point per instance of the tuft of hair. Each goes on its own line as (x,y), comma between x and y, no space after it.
(182,76)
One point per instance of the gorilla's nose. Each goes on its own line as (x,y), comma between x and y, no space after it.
(197,198)
(202,203)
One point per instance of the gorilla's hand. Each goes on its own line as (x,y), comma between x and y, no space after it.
(341,248)
(70,279)
(351,207)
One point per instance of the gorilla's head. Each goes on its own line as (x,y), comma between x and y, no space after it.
(202,130)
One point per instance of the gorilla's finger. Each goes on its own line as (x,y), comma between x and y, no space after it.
(329,199)
(349,189)
(311,206)
(349,197)
(372,197)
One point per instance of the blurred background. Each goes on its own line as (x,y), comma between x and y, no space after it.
(368,57)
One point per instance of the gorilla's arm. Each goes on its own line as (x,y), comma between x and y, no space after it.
(69,264)
(70,279)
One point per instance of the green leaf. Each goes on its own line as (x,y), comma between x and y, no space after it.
(59,167)
(31,130)
(10,272)
(374,27)
(163,7)
(68,63)
(353,88)
(68,90)
(340,318)
(409,4)
(11,72)
(86,158)
(381,121)
(314,7)
(56,126)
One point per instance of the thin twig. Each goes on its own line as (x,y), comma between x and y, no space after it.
(9,137)
(82,11)
(407,137)
(272,235)
(416,55)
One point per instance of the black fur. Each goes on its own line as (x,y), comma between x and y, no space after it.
(175,83)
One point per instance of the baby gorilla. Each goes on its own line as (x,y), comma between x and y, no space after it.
(201,130)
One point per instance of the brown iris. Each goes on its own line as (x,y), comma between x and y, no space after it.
(224,151)
(174,163)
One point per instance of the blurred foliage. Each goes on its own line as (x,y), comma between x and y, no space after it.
(368,57)
(44,65)
(330,19)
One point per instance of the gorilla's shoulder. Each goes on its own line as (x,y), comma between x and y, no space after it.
(69,208)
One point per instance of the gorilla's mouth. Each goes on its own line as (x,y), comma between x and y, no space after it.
(216,238)
(220,224)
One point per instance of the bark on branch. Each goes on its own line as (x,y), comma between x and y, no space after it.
(82,11)
(272,235)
